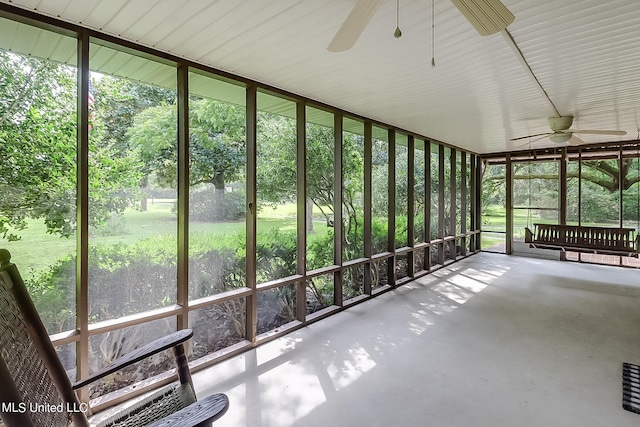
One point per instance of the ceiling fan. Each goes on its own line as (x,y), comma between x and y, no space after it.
(561,132)
(486,16)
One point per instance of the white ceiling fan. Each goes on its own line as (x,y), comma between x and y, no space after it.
(561,132)
(486,16)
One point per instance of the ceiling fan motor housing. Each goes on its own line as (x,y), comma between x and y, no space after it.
(560,138)
(560,123)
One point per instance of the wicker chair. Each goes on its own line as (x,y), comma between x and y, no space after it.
(35,390)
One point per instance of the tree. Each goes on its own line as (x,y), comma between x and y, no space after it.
(603,173)
(536,185)
(38,145)
(379,176)
(117,103)
(216,154)
(276,173)
(277,150)
(216,142)
(38,139)
(277,168)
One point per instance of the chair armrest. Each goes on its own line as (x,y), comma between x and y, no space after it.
(200,413)
(528,235)
(161,344)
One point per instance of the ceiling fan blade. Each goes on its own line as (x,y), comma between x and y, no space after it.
(533,141)
(354,25)
(487,16)
(575,140)
(531,136)
(599,132)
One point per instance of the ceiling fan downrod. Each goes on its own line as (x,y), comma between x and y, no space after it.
(397,33)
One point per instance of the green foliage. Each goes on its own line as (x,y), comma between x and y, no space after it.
(276,254)
(320,153)
(126,279)
(205,205)
(320,251)
(38,138)
(216,142)
(536,185)
(277,152)
(119,101)
(379,239)
(493,186)
(631,204)
(401,231)
(598,206)
(116,225)
(379,178)
(113,181)
(37,144)
(220,263)
(277,147)
(154,135)
(53,293)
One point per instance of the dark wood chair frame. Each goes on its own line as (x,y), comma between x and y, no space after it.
(14,388)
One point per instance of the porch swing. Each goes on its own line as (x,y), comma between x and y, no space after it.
(618,241)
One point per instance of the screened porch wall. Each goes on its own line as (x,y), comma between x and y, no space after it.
(315,209)
(589,185)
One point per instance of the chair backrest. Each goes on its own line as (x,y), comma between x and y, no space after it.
(34,388)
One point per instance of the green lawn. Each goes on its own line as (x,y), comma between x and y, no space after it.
(494,219)
(37,250)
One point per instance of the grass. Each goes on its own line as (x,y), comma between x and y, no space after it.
(494,219)
(37,250)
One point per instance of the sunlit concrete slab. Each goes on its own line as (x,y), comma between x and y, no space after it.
(492,340)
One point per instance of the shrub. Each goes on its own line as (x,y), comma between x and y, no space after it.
(276,254)
(207,205)
(379,241)
(53,293)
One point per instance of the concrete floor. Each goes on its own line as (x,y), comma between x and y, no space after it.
(492,340)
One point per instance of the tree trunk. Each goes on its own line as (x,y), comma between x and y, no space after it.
(309,218)
(144,186)
(218,192)
(218,183)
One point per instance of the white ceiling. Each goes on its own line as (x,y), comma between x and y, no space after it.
(584,53)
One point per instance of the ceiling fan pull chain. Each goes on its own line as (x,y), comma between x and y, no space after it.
(397,33)
(433,33)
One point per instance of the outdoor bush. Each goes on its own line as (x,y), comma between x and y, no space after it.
(126,279)
(320,251)
(379,241)
(276,254)
(207,206)
(401,231)
(53,293)
(216,263)
(418,221)
(115,225)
